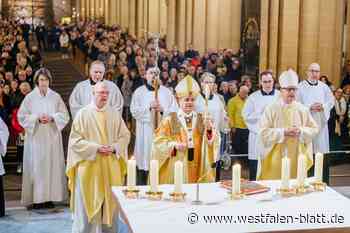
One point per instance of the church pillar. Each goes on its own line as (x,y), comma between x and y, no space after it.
(181,24)
(289,35)
(189,22)
(199,25)
(235,29)
(139,18)
(212,30)
(171,24)
(132,17)
(309,33)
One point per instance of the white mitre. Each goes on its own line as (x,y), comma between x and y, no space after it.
(288,78)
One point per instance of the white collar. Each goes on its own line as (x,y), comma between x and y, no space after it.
(93,106)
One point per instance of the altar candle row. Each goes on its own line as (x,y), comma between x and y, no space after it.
(154,175)
(301,170)
(236,173)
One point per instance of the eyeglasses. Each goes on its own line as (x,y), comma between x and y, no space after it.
(290,89)
(314,71)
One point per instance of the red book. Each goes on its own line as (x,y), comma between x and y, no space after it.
(247,187)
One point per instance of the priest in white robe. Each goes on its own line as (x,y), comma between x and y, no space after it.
(319,99)
(43,115)
(97,155)
(217,111)
(148,109)
(4,135)
(286,128)
(252,112)
(82,92)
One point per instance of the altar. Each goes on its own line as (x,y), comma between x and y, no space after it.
(319,212)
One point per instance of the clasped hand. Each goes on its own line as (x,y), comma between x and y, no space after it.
(292,132)
(105,150)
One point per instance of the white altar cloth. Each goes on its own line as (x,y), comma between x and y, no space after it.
(165,216)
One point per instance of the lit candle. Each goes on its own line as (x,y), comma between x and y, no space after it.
(178,177)
(154,180)
(319,167)
(285,173)
(301,172)
(131,175)
(236,179)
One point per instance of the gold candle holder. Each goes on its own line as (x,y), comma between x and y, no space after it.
(237,196)
(131,193)
(302,189)
(287,192)
(177,197)
(318,186)
(155,196)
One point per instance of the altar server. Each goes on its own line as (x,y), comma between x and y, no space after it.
(82,92)
(252,112)
(150,103)
(43,115)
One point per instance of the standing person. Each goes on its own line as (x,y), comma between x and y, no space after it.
(217,111)
(186,136)
(4,135)
(252,112)
(143,108)
(286,128)
(64,44)
(97,154)
(238,126)
(319,99)
(82,92)
(43,115)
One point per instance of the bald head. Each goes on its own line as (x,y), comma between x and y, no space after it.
(243,92)
(101,93)
(313,72)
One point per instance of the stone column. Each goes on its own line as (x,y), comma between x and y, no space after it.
(309,33)
(273,35)
(289,35)
(171,24)
(82,11)
(132,17)
(139,18)
(236,24)
(124,11)
(163,14)
(181,24)
(145,16)
(153,15)
(107,11)
(335,77)
(212,31)
(199,25)
(189,21)
(327,36)
(264,31)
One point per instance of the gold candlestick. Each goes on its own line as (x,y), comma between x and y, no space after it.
(131,192)
(237,196)
(318,186)
(177,197)
(154,196)
(287,192)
